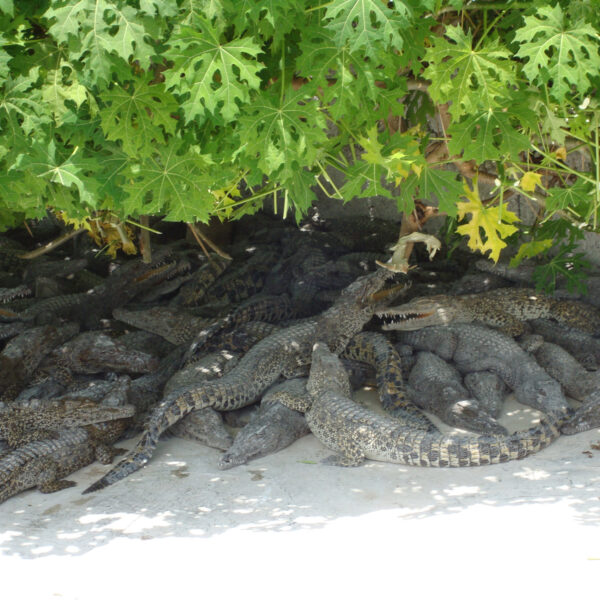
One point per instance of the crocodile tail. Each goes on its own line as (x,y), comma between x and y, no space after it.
(169,412)
(485,450)
(134,461)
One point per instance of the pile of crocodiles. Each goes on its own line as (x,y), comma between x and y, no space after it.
(270,344)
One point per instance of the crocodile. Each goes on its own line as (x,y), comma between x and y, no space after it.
(376,350)
(276,426)
(436,386)
(586,417)
(95,352)
(120,287)
(562,366)
(356,433)
(585,348)
(23,354)
(9,294)
(20,425)
(489,390)
(192,292)
(174,325)
(44,464)
(478,348)
(272,428)
(258,308)
(504,308)
(281,353)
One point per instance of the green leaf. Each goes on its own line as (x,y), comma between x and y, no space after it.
(530,249)
(272,18)
(59,88)
(299,187)
(433,186)
(213,75)
(173,181)
(558,52)
(471,78)
(367,25)
(7,7)
(577,197)
(284,133)
(364,179)
(139,116)
(345,82)
(97,30)
(491,134)
(44,162)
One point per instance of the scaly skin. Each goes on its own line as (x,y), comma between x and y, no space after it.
(559,364)
(19,425)
(586,417)
(505,308)
(174,325)
(116,290)
(23,354)
(478,348)
(356,434)
(375,349)
(9,294)
(94,352)
(585,348)
(272,309)
(489,390)
(45,463)
(279,354)
(577,382)
(273,428)
(205,425)
(192,292)
(436,386)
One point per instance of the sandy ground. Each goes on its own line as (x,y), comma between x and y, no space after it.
(286,526)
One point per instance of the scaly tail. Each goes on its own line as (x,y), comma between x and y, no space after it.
(169,412)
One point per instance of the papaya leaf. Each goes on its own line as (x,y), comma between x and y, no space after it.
(139,116)
(558,51)
(367,25)
(493,222)
(212,75)
(472,79)
(173,181)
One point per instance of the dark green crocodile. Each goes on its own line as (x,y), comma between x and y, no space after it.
(281,353)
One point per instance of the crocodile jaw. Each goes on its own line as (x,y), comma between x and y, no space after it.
(410,320)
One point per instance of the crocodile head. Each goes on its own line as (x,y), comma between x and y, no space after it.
(586,417)
(421,312)
(353,309)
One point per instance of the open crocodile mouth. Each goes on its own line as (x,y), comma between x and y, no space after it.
(398,321)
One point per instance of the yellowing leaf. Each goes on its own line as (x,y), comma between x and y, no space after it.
(494,221)
(530,180)
(561,153)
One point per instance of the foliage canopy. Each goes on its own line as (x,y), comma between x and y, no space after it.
(195,108)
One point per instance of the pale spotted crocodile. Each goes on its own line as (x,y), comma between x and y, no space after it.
(503,308)
(355,433)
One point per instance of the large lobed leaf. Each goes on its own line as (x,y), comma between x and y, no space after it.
(558,52)
(470,78)
(211,74)
(139,116)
